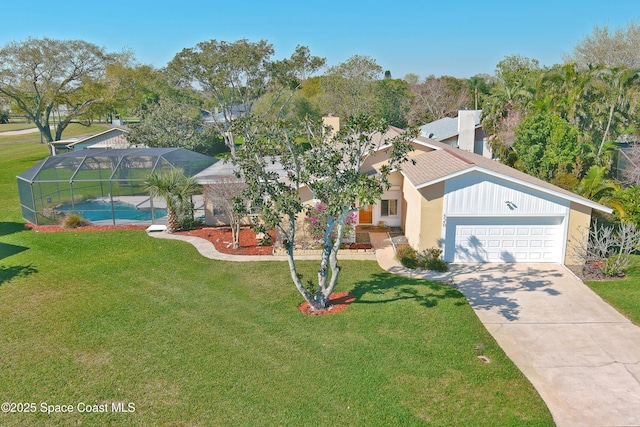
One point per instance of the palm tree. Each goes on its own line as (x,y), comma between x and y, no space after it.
(615,90)
(176,189)
(597,187)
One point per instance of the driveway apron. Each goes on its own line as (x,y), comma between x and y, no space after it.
(581,355)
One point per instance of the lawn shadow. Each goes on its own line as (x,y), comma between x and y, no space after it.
(6,250)
(494,286)
(7,228)
(9,273)
(397,288)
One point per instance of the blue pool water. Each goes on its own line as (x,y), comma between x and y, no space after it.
(95,210)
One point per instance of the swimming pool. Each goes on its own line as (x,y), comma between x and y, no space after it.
(96,210)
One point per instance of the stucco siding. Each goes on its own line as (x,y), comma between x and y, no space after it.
(373,162)
(423,215)
(431,217)
(577,234)
(479,194)
(412,204)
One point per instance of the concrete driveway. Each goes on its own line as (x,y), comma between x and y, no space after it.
(581,355)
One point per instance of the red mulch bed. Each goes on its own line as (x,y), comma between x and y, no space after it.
(58,228)
(339,301)
(354,246)
(221,239)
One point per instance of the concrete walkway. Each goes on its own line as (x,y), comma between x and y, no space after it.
(581,355)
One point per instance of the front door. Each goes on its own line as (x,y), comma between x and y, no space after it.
(366,215)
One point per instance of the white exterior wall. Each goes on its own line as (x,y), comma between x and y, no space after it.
(478,194)
(494,208)
(394,193)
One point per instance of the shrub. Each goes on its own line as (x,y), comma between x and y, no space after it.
(74,221)
(407,256)
(265,240)
(430,260)
(611,248)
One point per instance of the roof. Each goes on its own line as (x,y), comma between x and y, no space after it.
(213,173)
(446,127)
(221,168)
(98,135)
(446,162)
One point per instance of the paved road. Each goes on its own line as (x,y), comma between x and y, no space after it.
(18,132)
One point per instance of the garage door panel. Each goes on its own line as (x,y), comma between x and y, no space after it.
(504,239)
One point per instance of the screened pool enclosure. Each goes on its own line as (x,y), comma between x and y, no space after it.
(105,186)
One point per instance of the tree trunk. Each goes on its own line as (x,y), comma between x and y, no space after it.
(321,297)
(235,233)
(333,260)
(172,220)
(230,142)
(330,260)
(292,266)
(606,131)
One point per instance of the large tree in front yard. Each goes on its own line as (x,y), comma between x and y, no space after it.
(327,163)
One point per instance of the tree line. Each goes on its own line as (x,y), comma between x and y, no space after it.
(559,123)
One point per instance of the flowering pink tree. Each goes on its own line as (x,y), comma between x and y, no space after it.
(316,220)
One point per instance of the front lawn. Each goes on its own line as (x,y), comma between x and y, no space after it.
(73,130)
(97,318)
(624,294)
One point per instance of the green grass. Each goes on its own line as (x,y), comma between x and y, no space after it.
(72,130)
(624,294)
(120,317)
(5,127)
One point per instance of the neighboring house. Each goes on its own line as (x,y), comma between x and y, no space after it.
(217,116)
(473,208)
(115,138)
(622,160)
(463,132)
(62,145)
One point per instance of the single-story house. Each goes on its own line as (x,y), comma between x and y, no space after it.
(115,138)
(475,209)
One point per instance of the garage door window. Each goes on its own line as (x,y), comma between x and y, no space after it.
(389,208)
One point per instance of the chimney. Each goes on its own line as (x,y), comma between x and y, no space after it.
(334,122)
(467,130)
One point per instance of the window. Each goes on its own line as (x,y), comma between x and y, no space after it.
(389,208)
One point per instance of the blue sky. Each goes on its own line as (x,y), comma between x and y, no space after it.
(459,38)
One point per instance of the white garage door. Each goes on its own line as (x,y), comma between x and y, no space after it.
(504,239)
